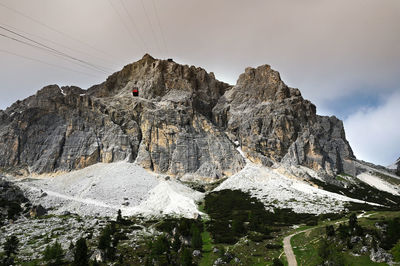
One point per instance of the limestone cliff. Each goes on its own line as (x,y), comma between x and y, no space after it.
(184,122)
(273,123)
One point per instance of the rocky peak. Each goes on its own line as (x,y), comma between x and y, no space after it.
(164,80)
(270,120)
(184,122)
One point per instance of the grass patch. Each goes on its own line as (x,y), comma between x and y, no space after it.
(364,260)
(208,256)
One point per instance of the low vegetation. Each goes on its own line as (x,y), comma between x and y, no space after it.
(367,240)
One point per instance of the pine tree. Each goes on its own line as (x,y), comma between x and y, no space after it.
(81,253)
(105,238)
(237,227)
(11,246)
(353,221)
(119,217)
(197,242)
(176,245)
(160,246)
(53,254)
(186,258)
(330,230)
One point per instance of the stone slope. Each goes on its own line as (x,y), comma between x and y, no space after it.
(185,122)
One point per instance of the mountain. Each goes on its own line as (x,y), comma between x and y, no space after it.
(185,122)
(196,171)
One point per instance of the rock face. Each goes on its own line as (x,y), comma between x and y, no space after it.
(273,123)
(168,126)
(183,122)
(398,167)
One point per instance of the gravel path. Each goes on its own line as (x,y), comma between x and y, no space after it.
(287,246)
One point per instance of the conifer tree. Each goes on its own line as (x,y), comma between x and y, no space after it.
(81,253)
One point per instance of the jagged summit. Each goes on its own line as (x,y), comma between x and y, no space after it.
(184,123)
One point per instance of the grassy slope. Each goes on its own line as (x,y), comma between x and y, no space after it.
(249,252)
(305,244)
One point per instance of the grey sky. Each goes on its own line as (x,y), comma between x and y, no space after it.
(343,55)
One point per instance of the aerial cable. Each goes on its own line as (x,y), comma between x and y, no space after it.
(159,25)
(55,50)
(55,30)
(57,43)
(136,28)
(151,26)
(125,25)
(46,63)
(44,49)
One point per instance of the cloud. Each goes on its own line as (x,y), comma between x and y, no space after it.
(374,133)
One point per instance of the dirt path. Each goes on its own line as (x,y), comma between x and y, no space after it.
(287,246)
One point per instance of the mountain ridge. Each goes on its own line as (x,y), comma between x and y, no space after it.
(184,123)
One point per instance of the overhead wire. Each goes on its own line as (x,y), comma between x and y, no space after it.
(159,25)
(43,48)
(54,29)
(46,63)
(136,28)
(151,26)
(56,43)
(54,50)
(125,25)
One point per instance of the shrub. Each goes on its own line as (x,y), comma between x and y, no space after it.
(396,251)
(330,230)
(277,262)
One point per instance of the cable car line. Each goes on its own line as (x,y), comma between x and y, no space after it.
(54,29)
(159,25)
(56,43)
(55,50)
(134,24)
(44,49)
(125,25)
(46,63)
(151,26)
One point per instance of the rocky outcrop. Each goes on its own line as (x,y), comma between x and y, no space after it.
(58,129)
(273,123)
(398,167)
(184,122)
(12,201)
(169,126)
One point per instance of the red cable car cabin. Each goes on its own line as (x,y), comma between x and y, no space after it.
(135,92)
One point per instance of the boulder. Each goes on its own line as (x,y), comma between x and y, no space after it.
(196,253)
(380,255)
(98,256)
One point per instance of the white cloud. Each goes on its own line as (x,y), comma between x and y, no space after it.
(374,133)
